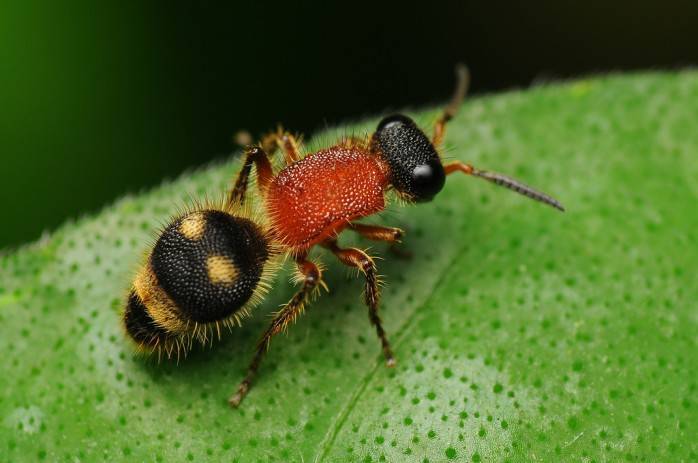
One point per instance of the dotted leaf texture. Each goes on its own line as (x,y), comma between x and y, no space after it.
(521,334)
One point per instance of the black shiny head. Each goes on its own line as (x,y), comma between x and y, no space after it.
(415,168)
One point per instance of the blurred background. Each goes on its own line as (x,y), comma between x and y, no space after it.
(103,98)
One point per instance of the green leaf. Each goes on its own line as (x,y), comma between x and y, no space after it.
(521,333)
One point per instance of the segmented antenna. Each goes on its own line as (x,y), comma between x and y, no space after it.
(514,185)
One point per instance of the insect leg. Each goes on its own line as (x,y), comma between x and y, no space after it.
(390,235)
(281,139)
(377,232)
(288,313)
(357,258)
(462,83)
(253,155)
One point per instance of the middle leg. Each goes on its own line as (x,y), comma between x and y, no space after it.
(357,258)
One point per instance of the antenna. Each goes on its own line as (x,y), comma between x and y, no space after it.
(506,182)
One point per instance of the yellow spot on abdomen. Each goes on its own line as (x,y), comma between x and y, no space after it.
(192,226)
(221,270)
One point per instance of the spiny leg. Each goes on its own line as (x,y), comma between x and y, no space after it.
(506,182)
(377,232)
(390,235)
(253,155)
(312,277)
(462,83)
(281,139)
(357,258)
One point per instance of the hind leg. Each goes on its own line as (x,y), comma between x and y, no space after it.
(288,314)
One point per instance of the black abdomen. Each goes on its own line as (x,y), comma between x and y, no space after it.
(141,326)
(209,263)
(204,269)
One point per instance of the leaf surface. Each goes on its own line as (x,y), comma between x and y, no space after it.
(521,334)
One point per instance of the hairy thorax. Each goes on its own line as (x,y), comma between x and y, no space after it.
(315,198)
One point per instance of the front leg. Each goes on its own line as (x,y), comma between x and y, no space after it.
(377,232)
(312,277)
(357,258)
(390,235)
(462,84)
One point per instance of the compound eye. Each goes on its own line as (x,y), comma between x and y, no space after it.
(427,180)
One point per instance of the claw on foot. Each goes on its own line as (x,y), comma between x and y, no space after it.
(236,398)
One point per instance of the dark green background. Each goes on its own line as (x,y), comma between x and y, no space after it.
(100,99)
